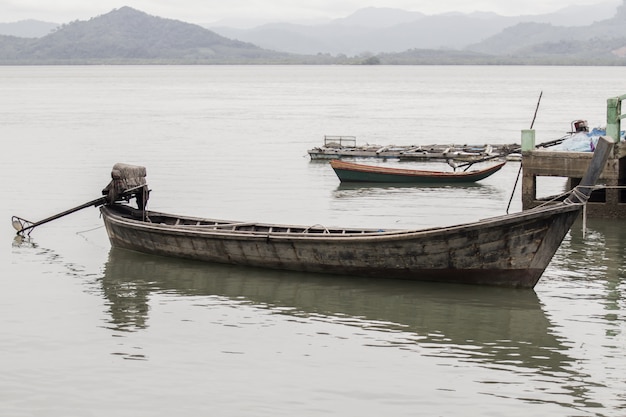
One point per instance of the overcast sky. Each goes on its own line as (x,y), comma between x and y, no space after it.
(210,11)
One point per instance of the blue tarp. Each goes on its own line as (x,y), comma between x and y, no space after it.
(583,141)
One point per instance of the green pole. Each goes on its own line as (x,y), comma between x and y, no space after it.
(528,140)
(613,116)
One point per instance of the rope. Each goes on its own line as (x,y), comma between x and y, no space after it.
(582,198)
(80,232)
(578,194)
(616,187)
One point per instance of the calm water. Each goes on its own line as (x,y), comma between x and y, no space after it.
(92,331)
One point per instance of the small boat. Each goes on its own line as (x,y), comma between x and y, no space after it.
(510,251)
(351,172)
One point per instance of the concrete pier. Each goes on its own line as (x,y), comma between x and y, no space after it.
(609,202)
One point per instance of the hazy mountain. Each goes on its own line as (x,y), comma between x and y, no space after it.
(379,30)
(528,39)
(578,15)
(27,28)
(374,30)
(126,34)
(354,35)
(378,17)
(370,36)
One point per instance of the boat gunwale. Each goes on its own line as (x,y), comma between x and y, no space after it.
(361,235)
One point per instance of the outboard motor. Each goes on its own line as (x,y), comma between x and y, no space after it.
(127,181)
(580,126)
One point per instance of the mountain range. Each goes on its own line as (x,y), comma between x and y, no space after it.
(385,30)
(369,36)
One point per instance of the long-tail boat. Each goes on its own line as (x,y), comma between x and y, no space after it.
(352,172)
(512,250)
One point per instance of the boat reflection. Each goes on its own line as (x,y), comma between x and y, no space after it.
(439,192)
(491,326)
(596,258)
(347,187)
(595,254)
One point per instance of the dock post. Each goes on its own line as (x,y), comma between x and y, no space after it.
(613,117)
(528,140)
(529,180)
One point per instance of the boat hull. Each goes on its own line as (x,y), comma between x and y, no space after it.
(351,172)
(510,251)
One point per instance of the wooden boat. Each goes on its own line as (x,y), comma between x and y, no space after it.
(511,250)
(351,172)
